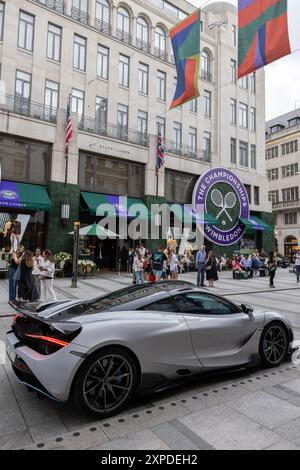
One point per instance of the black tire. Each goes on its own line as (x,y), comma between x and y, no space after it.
(102,396)
(274,344)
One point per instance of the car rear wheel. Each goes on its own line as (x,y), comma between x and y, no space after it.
(273,344)
(106,382)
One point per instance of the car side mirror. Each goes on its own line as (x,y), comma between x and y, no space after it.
(247,309)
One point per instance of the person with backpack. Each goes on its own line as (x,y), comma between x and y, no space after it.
(158,258)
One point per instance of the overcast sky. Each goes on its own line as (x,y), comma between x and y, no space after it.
(283,76)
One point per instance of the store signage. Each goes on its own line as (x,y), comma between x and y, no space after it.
(220,193)
(9,196)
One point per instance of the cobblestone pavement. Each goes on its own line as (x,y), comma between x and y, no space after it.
(252,409)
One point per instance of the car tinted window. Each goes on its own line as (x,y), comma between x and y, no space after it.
(205,304)
(165,305)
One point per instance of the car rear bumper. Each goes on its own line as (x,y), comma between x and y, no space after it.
(50,375)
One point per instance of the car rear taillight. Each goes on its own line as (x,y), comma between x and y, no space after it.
(48,339)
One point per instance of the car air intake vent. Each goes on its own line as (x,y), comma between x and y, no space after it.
(184,372)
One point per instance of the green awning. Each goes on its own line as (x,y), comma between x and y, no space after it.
(115,204)
(255,224)
(15,195)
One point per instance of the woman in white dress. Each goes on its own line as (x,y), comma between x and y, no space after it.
(47,271)
(37,263)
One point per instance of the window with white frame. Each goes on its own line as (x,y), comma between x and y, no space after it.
(161,85)
(193,140)
(124,70)
(80,5)
(123,23)
(233,150)
(253,82)
(79,53)
(193,106)
(54,42)
(101,114)
(233,71)
(205,65)
(233,110)
(207,103)
(26,31)
(290,218)
(102,62)
(253,119)
(177,135)
(22,91)
(161,126)
(207,143)
(143,78)
(243,115)
(244,82)
(142,33)
(290,194)
(142,122)
(103,11)
(234,30)
(160,39)
(244,161)
(122,118)
(51,98)
(77,103)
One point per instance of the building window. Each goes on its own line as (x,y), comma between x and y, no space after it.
(51,98)
(290,218)
(177,187)
(233,70)
(142,126)
(22,92)
(244,82)
(26,30)
(177,135)
(233,150)
(273,174)
(207,144)
(274,196)
(124,71)
(194,106)
(234,29)
(205,65)
(79,53)
(102,62)
(248,191)
(54,42)
(253,119)
(243,115)
(290,170)
(161,85)
(101,114)
(193,140)
(77,104)
(207,103)
(161,126)
(290,194)
(256,196)
(253,82)
(143,78)
(233,110)
(244,154)
(253,157)
(102,14)
(160,42)
(2,7)
(111,176)
(123,25)
(23,160)
(142,34)
(122,121)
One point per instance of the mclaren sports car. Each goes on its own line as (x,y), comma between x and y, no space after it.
(102,352)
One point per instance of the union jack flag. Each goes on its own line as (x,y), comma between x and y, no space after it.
(160,152)
(69,129)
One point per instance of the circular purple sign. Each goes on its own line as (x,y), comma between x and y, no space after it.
(220,193)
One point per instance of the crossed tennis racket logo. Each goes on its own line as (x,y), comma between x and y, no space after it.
(224,203)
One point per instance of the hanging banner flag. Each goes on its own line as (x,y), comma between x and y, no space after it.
(263,33)
(185,38)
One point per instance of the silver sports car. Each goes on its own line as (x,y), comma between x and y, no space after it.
(103,351)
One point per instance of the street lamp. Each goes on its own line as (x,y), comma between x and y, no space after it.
(75,254)
(65,211)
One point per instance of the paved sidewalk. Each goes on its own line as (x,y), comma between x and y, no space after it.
(254,409)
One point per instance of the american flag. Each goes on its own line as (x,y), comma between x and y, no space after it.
(160,152)
(69,129)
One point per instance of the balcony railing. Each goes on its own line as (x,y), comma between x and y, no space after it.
(144,46)
(27,108)
(124,37)
(103,27)
(161,54)
(186,151)
(80,16)
(113,131)
(286,204)
(206,75)
(56,5)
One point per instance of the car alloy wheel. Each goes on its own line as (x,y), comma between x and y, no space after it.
(274,344)
(106,382)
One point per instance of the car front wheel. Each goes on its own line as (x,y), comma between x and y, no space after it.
(273,344)
(106,382)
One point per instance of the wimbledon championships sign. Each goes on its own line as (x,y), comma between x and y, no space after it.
(219,192)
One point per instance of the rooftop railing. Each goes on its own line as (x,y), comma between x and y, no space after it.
(26,107)
(56,5)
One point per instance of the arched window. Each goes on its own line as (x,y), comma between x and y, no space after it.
(103,16)
(123,24)
(205,65)
(142,34)
(160,41)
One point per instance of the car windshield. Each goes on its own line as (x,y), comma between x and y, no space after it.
(120,297)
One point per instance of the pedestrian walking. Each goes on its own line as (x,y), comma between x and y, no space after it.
(130,257)
(174,265)
(37,263)
(15,261)
(211,269)
(158,258)
(26,285)
(138,268)
(272,266)
(200,264)
(297,265)
(47,271)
